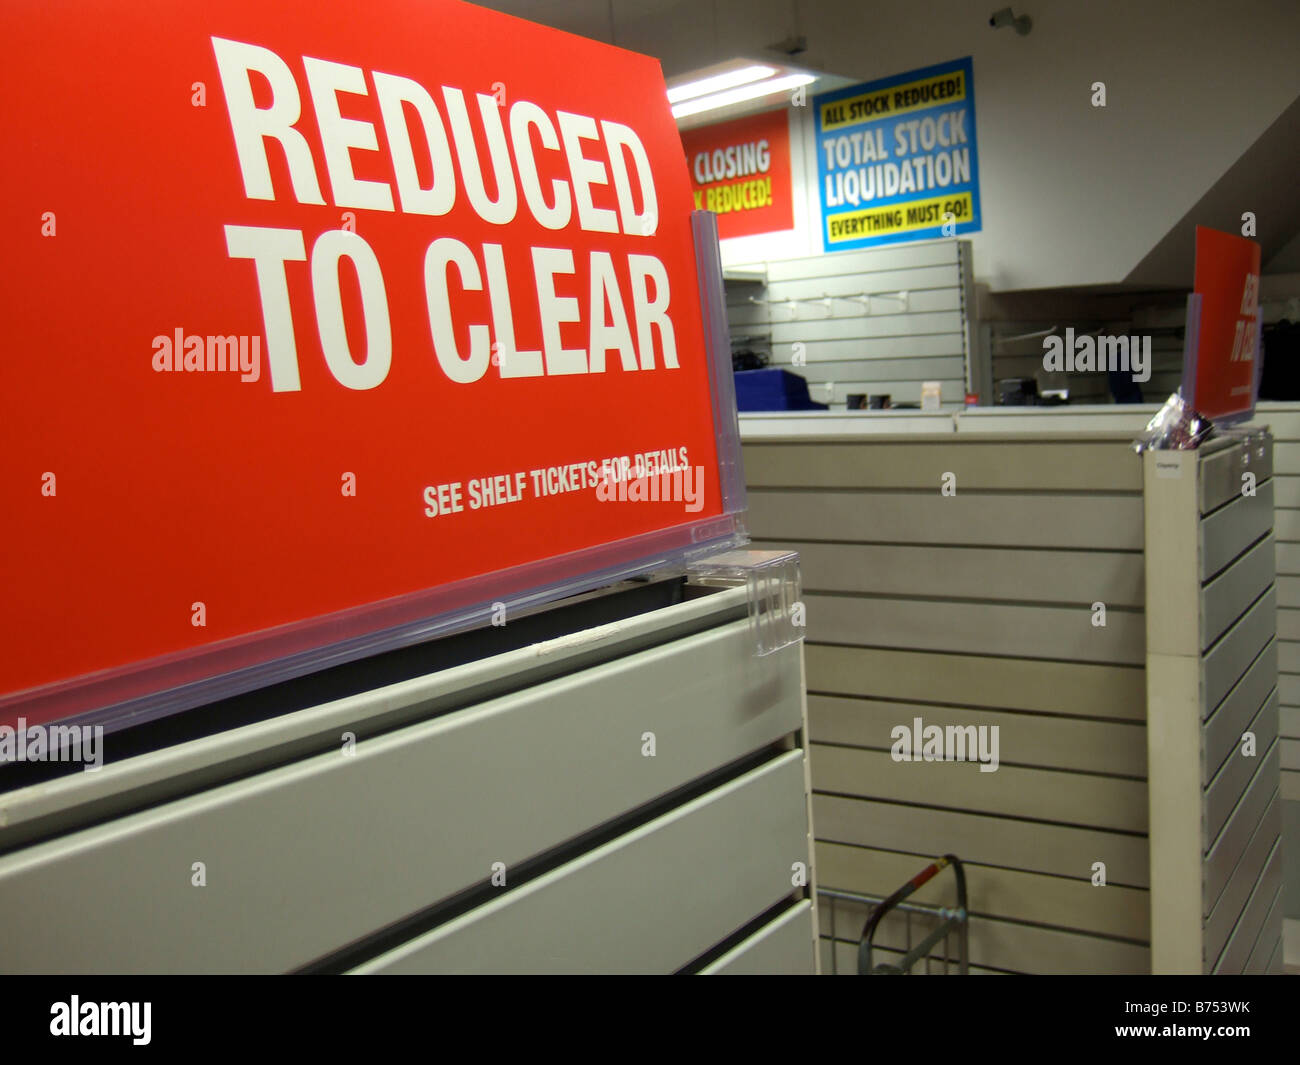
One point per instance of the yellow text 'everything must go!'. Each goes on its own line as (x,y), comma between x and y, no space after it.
(899,217)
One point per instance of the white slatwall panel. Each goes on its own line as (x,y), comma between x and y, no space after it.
(1283,419)
(1034,424)
(1024,358)
(975,610)
(1160,317)
(1237,551)
(1215,818)
(888,347)
(380,862)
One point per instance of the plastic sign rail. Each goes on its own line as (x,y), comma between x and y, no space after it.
(329,331)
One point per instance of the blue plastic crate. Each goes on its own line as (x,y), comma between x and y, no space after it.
(773,389)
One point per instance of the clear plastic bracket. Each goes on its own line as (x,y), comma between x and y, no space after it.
(776,611)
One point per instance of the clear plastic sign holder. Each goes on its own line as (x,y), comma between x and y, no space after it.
(1191,346)
(776,613)
(143,691)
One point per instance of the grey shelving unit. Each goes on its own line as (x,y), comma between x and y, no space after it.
(506,814)
(1126,829)
(1212,709)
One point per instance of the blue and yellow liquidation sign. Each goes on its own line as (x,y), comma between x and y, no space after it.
(896,158)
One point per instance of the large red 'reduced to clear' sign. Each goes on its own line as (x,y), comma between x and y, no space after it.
(315,307)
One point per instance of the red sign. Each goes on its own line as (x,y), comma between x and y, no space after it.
(1227,280)
(741,171)
(308,308)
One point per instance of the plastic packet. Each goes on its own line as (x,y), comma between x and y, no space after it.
(1176,426)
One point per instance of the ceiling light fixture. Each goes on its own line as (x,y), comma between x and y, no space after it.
(718,82)
(744,92)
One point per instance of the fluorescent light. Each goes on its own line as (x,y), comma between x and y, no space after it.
(718,82)
(744,92)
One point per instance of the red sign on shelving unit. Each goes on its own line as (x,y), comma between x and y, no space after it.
(1222,369)
(315,313)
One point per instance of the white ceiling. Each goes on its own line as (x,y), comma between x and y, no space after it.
(683,35)
(689,36)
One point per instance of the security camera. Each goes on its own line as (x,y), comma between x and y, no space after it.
(1007,17)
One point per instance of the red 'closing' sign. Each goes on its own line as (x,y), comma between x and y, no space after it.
(741,171)
(309,309)
(1227,280)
